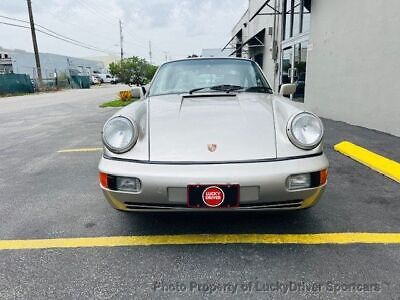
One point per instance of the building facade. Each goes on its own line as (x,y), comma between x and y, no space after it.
(6,66)
(214,52)
(340,54)
(23,62)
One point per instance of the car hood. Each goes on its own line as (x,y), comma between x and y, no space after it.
(211,127)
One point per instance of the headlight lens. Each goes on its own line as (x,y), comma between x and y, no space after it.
(119,134)
(305,130)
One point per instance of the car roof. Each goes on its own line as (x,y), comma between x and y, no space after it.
(206,58)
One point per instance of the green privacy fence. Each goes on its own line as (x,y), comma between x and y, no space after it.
(80,82)
(21,83)
(15,83)
(72,81)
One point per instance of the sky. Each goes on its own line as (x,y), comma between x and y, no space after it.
(176,28)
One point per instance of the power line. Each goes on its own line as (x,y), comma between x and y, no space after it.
(88,46)
(101,10)
(93,11)
(41,31)
(102,34)
(55,35)
(155,48)
(15,25)
(49,30)
(96,11)
(135,43)
(109,21)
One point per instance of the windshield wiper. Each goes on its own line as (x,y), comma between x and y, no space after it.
(258,89)
(222,87)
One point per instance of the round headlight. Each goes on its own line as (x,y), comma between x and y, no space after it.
(305,130)
(119,134)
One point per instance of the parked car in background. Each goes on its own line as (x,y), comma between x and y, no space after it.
(94,79)
(114,80)
(104,78)
(34,85)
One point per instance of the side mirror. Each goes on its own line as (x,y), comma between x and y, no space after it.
(287,89)
(136,92)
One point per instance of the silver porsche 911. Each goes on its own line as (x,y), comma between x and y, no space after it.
(210,134)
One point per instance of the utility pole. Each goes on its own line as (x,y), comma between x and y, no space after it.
(121,40)
(150,54)
(166,55)
(35,46)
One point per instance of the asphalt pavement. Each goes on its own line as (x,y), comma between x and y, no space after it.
(46,194)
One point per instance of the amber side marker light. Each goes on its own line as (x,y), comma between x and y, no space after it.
(323,176)
(103,177)
(119,183)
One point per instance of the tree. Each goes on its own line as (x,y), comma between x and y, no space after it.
(150,71)
(134,70)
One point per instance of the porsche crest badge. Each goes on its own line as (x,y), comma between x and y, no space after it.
(212,147)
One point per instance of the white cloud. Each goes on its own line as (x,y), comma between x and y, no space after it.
(178,27)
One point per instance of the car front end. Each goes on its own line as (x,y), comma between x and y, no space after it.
(213,151)
(285,184)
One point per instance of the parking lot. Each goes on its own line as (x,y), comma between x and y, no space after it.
(47,194)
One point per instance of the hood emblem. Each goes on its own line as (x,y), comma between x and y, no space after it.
(212,147)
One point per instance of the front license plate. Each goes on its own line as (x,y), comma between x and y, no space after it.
(213,196)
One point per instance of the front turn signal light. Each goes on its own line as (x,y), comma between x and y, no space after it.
(103,177)
(323,176)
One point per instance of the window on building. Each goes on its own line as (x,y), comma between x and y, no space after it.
(287,19)
(306,16)
(259,59)
(300,70)
(296,17)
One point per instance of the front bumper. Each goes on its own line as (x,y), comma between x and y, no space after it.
(262,184)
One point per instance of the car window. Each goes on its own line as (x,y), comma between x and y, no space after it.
(183,76)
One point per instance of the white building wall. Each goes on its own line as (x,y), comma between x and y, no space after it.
(354,62)
(259,23)
(239,25)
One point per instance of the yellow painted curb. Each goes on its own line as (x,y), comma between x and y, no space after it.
(80,150)
(201,239)
(381,164)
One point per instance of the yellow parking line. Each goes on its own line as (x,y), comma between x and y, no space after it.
(198,239)
(80,150)
(381,164)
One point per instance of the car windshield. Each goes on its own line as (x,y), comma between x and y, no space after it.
(205,75)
